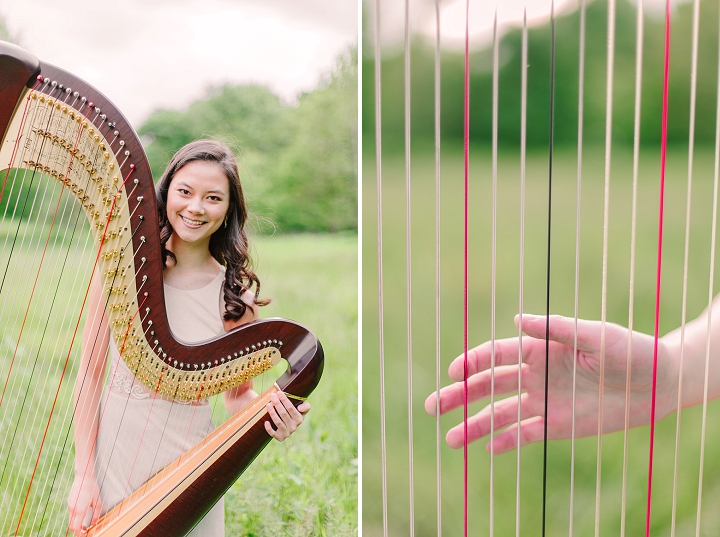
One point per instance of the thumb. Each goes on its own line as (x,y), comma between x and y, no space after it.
(562,330)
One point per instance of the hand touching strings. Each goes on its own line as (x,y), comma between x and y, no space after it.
(285,416)
(560,400)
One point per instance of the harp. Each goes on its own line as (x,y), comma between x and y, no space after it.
(413,483)
(64,141)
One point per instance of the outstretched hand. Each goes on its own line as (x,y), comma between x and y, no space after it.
(560,393)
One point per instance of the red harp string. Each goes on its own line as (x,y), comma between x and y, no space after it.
(605,471)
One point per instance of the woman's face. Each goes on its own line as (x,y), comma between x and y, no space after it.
(197,201)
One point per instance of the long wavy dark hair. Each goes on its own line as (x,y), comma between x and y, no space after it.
(229,244)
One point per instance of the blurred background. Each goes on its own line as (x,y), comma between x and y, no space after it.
(278,82)
(565,188)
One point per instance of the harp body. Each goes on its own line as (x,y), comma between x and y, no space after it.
(58,129)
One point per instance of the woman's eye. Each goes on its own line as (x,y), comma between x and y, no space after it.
(184,191)
(215,198)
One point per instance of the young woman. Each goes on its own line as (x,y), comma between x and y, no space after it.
(127,434)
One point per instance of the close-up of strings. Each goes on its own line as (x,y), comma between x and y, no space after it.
(630,126)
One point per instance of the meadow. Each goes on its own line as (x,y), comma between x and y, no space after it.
(506,307)
(304,486)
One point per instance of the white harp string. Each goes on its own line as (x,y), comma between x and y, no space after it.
(710,302)
(408,273)
(606,218)
(496,63)
(581,103)
(639,31)
(523,144)
(688,208)
(381,336)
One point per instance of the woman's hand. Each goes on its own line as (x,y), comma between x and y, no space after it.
(284,415)
(84,496)
(532,400)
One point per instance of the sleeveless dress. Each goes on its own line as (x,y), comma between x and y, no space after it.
(140,434)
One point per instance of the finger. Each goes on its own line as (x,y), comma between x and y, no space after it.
(480,425)
(304,408)
(97,509)
(531,430)
(272,432)
(479,387)
(281,410)
(562,330)
(277,420)
(505,351)
(293,412)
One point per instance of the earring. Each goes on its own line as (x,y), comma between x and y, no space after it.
(226,217)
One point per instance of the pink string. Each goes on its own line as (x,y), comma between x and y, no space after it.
(663,151)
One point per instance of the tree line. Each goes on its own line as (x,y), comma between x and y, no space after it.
(566,82)
(298,163)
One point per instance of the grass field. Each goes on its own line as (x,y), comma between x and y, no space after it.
(507,304)
(302,487)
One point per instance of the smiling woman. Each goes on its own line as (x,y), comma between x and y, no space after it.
(166,340)
(207,279)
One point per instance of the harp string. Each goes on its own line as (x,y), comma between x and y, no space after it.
(381,323)
(710,301)
(547,290)
(56,289)
(606,220)
(22,242)
(639,31)
(22,406)
(691,152)
(496,62)
(77,324)
(576,293)
(50,156)
(523,144)
(466,159)
(37,409)
(438,435)
(408,272)
(40,264)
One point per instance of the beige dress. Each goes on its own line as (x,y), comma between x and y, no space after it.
(140,434)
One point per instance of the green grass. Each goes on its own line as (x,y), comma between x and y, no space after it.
(507,304)
(304,486)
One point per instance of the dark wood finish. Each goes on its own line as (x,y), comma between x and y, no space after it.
(18,69)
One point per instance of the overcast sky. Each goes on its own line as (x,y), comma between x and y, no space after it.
(149,54)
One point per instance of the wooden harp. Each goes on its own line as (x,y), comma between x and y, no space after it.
(64,140)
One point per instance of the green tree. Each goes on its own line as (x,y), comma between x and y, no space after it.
(298,163)
(566,82)
(314,185)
